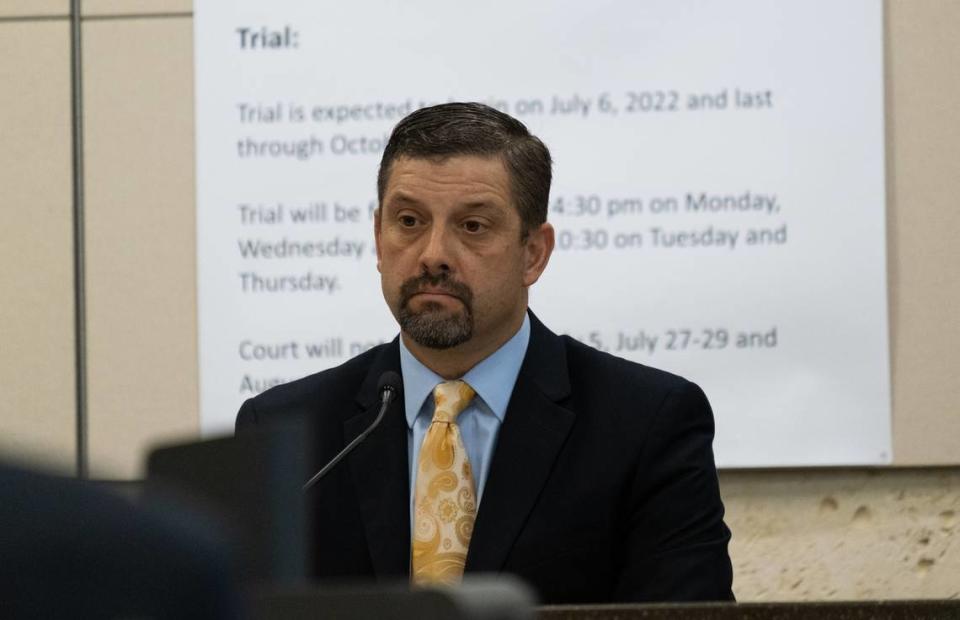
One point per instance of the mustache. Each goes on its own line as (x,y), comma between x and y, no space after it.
(441,281)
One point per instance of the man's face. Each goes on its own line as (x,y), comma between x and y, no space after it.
(454,267)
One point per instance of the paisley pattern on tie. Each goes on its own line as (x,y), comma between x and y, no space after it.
(445,504)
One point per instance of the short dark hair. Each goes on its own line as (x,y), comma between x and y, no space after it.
(450,129)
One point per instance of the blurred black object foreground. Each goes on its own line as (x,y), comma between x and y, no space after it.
(218,532)
(71,550)
(477,598)
(251,485)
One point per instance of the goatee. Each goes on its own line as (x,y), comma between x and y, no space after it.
(434,326)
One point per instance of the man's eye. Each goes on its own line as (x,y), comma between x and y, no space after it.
(407,221)
(473,226)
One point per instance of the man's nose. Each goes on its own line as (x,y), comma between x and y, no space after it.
(438,253)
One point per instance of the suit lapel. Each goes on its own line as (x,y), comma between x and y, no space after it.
(533,432)
(380,472)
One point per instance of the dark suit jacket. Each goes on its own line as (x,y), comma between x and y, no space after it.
(602,485)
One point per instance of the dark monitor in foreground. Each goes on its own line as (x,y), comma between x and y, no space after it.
(252,486)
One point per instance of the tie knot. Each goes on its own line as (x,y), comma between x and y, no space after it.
(450,398)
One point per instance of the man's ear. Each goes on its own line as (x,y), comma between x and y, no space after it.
(376,234)
(537,250)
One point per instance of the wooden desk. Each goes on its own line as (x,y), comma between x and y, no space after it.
(852,610)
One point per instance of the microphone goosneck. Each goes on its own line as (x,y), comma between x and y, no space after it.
(389,388)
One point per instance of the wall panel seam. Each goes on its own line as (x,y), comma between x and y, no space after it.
(79,263)
(134,16)
(33,18)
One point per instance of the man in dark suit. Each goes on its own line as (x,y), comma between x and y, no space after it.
(587,475)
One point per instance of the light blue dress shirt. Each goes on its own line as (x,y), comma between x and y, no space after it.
(492,379)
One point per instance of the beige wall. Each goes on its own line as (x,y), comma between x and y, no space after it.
(797,534)
(37,414)
(923,157)
(96,8)
(141,256)
(34,8)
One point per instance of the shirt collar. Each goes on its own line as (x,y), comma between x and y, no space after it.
(492,379)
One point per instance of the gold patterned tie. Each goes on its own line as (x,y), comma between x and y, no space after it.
(445,503)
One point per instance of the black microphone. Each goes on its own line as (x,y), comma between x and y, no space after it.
(389,387)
